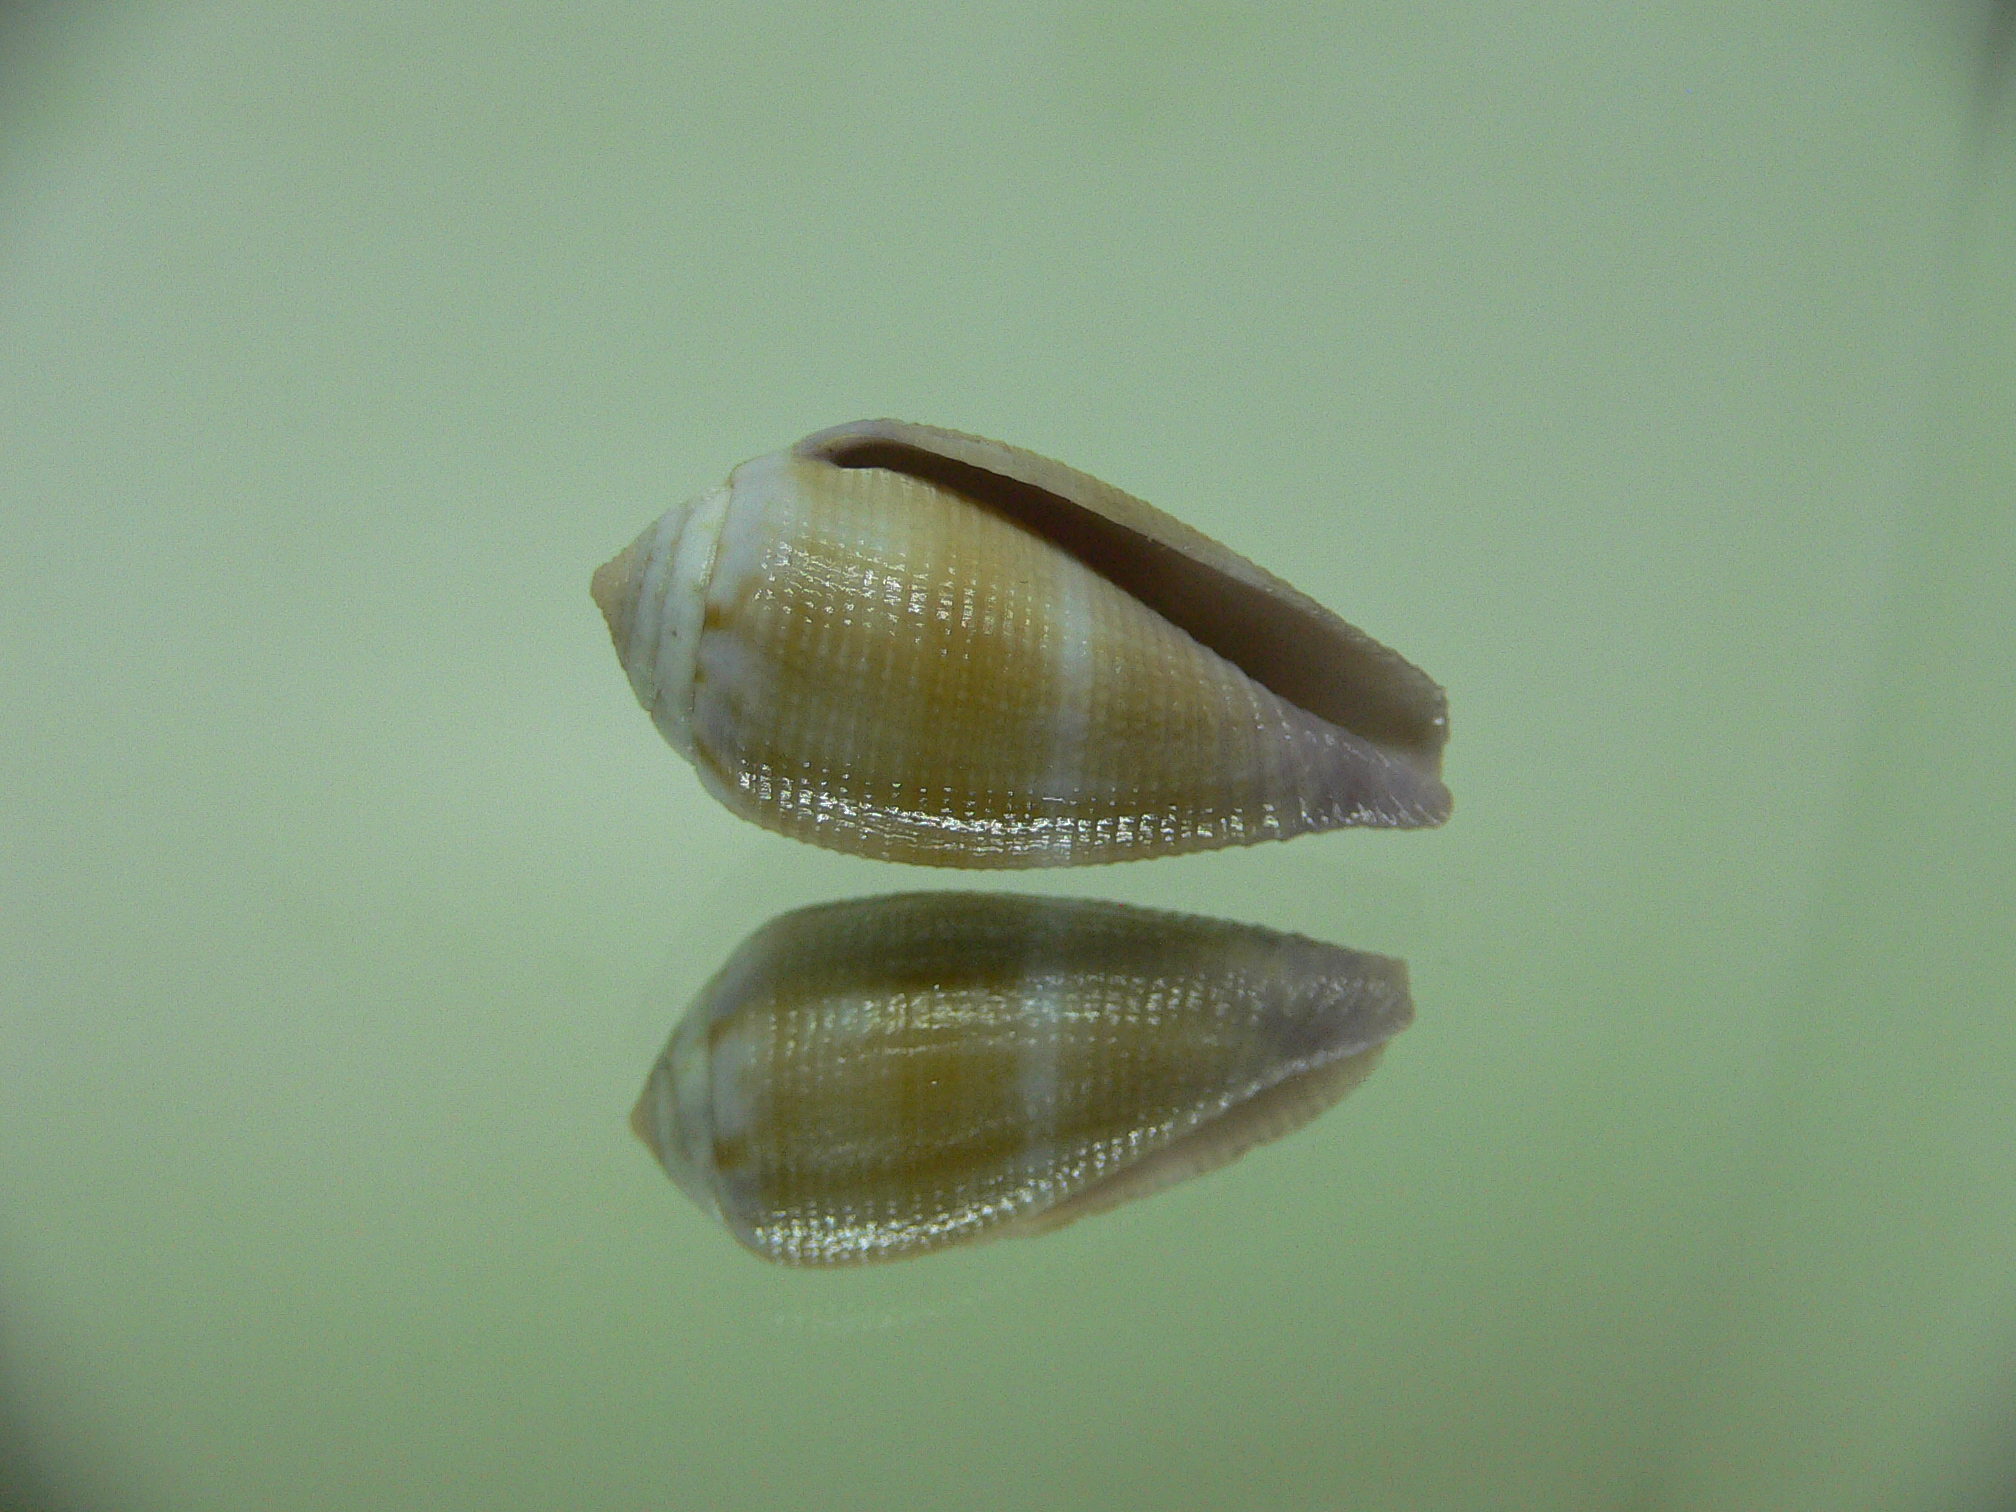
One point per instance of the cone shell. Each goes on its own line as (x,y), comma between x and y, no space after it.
(876,1079)
(920,646)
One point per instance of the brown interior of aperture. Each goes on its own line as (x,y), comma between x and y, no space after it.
(1327,668)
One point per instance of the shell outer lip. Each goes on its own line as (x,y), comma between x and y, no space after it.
(1278,635)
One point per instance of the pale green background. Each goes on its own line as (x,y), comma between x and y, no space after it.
(1644,372)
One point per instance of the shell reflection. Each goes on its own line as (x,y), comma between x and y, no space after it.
(875,1079)
(916,645)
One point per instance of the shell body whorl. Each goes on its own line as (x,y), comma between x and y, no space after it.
(869,1080)
(921,647)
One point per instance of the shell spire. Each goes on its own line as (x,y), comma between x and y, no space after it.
(922,646)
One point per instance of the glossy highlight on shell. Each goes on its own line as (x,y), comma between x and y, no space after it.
(881,1078)
(916,645)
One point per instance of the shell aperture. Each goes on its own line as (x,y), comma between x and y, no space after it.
(920,646)
(875,1079)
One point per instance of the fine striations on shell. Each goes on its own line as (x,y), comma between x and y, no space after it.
(881,1078)
(916,645)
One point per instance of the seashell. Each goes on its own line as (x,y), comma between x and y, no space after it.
(920,646)
(881,1078)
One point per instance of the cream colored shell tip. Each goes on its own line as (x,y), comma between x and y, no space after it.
(915,645)
(882,1078)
